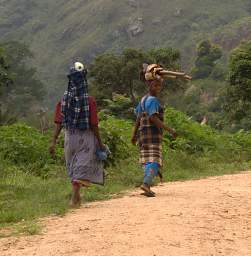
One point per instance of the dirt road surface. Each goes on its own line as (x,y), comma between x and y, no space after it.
(203,217)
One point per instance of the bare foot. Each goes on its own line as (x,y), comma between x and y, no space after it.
(75,198)
(84,183)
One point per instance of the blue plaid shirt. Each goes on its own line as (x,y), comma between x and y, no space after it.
(75,103)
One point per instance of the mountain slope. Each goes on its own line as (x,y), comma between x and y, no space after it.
(61,31)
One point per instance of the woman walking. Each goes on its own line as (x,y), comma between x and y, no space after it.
(149,126)
(77,114)
(148,133)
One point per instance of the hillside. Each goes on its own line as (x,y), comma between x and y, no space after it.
(60,31)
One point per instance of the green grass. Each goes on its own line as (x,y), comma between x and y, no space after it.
(25,198)
(22,228)
(180,166)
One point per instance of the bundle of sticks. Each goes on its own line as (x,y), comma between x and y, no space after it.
(156,71)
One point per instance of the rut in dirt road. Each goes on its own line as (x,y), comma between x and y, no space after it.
(203,217)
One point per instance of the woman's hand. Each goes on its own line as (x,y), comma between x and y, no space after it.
(173,133)
(102,146)
(52,149)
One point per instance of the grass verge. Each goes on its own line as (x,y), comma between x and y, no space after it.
(25,198)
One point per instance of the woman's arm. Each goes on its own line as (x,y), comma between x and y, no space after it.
(56,133)
(94,121)
(58,127)
(96,132)
(155,120)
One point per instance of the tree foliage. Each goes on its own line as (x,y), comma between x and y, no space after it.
(4,76)
(207,55)
(120,106)
(20,89)
(238,95)
(120,73)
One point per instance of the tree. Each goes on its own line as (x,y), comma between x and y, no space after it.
(238,95)
(207,55)
(132,60)
(5,79)
(168,57)
(120,73)
(120,106)
(25,90)
(4,75)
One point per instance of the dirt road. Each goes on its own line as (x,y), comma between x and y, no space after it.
(203,217)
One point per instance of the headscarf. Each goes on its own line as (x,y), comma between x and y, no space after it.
(75,103)
(149,75)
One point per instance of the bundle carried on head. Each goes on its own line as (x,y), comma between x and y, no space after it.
(157,72)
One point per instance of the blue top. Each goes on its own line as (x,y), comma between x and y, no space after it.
(151,106)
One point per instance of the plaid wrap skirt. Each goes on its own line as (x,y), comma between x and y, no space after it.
(149,141)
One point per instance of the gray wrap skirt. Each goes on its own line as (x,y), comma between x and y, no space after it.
(80,155)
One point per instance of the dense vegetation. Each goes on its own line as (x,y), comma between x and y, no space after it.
(20,88)
(33,184)
(238,94)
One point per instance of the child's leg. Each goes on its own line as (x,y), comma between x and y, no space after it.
(160,176)
(150,170)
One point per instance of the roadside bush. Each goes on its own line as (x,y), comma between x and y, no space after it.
(116,133)
(21,144)
(26,148)
(192,137)
(197,139)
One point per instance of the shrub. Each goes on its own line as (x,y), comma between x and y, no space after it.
(116,133)
(25,147)
(21,144)
(197,139)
